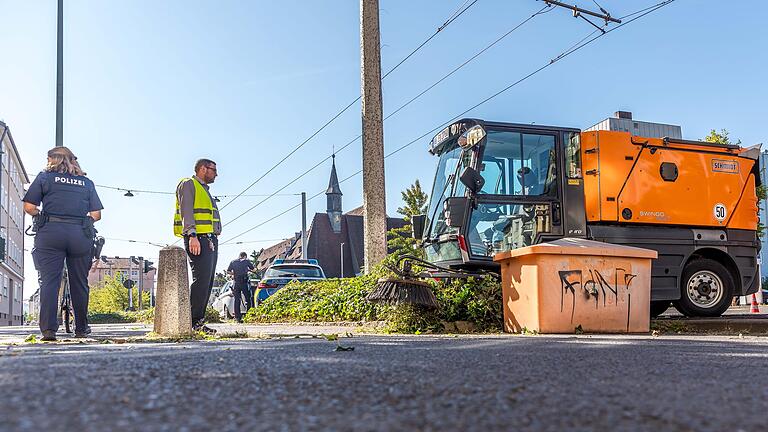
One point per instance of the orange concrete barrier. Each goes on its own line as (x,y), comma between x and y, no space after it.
(572,285)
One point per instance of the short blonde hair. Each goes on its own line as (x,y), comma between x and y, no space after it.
(63,161)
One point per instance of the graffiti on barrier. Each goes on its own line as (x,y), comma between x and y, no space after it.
(595,286)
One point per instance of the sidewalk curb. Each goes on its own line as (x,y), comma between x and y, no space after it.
(757,324)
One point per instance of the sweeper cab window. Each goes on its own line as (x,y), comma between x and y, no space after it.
(519,164)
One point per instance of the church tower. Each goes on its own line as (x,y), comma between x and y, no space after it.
(333,195)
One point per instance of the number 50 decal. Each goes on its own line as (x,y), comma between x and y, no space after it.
(720,212)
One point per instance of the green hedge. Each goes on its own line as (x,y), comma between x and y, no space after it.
(475,300)
(146,316)
(324,301)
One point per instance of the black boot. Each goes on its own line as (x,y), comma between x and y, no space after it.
(49,335)
(84,333)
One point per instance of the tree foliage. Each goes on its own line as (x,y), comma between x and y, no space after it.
(112,296)
(400,240)
(414,200)
(720,137)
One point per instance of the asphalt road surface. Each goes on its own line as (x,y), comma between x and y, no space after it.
(397,383)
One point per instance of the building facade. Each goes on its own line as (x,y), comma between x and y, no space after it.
(122,268)
(623,122)
(13,176)
(334,238)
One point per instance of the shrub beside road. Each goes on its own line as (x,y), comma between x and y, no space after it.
(476,302)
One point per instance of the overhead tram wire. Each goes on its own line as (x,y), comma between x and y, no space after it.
(123,189)
(581,44)
(448,22)
(400,108)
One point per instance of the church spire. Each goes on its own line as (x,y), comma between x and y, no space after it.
(333,183)
(333,195)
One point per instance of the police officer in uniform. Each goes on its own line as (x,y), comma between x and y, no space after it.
(239,270)
(197,221)
(64,234)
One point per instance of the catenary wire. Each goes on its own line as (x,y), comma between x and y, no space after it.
(450,20)
(400,108)
(581,44)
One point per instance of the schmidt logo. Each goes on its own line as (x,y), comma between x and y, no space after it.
(725,166)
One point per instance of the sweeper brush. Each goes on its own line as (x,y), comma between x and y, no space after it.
(403,291)
(406,288)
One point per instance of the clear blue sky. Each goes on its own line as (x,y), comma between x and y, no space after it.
(151,86)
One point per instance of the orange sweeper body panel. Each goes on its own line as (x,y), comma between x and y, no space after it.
(636,180)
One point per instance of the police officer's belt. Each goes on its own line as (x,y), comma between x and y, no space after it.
(71,220)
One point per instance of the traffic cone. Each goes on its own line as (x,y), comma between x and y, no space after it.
(755,307)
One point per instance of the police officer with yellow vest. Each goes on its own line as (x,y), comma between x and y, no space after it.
(64,233)
(197,220)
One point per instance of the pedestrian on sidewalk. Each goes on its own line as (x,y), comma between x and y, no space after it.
(197,221)
(64,235)
(239,270)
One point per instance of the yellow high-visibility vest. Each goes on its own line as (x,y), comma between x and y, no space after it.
(205,213)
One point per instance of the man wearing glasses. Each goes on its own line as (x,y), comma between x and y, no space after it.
(197,221)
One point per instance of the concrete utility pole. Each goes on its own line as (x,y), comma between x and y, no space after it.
(303,225)
(374,198)
(60,76)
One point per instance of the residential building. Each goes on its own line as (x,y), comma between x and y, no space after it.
(122,268)
(34,306)
(333,237)
(623,122)
(13,176)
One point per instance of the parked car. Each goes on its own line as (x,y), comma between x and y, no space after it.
(282,272)
(225,302)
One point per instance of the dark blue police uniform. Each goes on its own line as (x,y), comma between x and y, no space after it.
(242,286)
(65,236)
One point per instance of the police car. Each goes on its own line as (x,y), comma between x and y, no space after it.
(284,271)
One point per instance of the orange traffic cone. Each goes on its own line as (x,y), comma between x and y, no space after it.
(755,307)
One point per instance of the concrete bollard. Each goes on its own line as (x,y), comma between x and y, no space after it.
(173,316)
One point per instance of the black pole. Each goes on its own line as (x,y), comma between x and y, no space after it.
(60,76)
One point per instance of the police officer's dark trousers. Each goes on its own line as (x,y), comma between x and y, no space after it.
(242,291)
(55,243)
(203,271)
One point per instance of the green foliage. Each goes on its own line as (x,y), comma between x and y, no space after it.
(476,300)
(146,316)
(414,200)
(720,137)
(324,301)
(212,315)
(400,240)
(112,296)
(117,317)
(219,279)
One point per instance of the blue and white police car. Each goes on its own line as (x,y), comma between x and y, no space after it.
(284,271)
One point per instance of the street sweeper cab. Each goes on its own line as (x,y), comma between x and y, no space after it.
(502,186)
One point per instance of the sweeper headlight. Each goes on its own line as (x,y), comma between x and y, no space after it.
(471,137)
